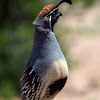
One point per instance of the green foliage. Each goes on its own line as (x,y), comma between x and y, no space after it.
(7,89)
(14,54)
(16,41)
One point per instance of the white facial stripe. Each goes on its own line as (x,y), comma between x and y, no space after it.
(50,21)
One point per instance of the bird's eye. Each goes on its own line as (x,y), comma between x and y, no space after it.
(54,12)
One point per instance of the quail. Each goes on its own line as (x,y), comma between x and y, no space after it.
(46,71)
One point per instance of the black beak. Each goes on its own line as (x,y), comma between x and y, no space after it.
(68,1)
(59,14)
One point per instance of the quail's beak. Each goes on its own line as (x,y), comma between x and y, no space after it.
(59,14)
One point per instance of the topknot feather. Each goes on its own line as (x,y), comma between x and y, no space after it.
(46,10)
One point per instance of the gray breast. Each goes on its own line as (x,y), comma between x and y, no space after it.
(50,49)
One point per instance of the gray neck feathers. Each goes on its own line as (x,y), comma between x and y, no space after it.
(42,23)
(45,45)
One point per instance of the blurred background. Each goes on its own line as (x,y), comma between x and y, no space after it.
(79,38)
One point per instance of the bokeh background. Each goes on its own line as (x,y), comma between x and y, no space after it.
(78,32)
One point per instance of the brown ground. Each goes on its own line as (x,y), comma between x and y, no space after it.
(84,81)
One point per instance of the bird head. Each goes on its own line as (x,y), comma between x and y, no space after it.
(49,15)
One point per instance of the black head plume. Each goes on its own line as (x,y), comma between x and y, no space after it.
(68,1)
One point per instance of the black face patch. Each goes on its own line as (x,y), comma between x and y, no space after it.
(57,86)
(55,18)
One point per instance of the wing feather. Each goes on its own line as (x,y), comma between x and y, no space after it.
(32,85)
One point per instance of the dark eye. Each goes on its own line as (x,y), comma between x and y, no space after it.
(54,12)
